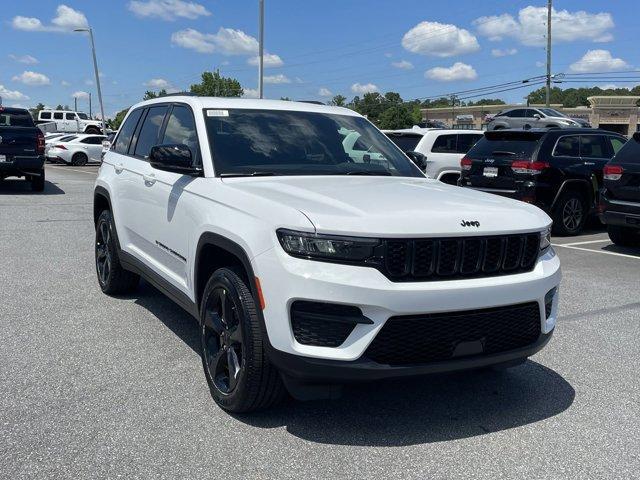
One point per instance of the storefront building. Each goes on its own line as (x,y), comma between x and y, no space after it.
(618,114)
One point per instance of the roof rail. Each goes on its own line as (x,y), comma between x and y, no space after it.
(314,102)
(178,94)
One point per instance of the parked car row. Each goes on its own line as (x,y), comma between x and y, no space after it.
(568,173)
(529,117)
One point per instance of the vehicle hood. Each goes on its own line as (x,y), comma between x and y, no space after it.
(392,206)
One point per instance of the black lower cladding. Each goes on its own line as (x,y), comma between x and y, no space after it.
(324,324)
(419,339)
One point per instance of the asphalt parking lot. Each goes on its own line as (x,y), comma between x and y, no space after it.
(98,387)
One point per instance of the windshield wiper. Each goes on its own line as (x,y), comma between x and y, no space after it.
(502,152)
(249,174)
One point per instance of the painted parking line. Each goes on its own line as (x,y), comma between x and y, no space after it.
(596,251)
(604,240)
(72,169)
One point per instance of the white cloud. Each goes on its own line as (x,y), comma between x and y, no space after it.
(80,95)
(271,60)
(530,27)
(66,20)
(250,93)
(32,78)
(159,83)
(227,41)
(168,9)
(361,89)
(325,92)
(26,59)
(403,65)
(388,54)
(18,105)
(598,61)
(88,82)
(439,40)
(64,83)
(276,79)
(7,94)
(498,52)
(457,71)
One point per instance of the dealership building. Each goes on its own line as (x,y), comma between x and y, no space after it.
(617,114)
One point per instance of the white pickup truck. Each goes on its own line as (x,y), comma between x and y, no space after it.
(69,121)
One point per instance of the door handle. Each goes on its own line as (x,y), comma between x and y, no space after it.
(149,179)
(118,168)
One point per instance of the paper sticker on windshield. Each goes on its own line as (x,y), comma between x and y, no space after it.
(217,113)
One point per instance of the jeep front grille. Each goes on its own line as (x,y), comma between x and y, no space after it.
(454,258)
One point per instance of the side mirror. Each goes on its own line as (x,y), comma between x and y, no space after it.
(173,158)
(418,158)
(537,116)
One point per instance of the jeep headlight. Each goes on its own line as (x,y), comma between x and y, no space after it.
(545,240)
(326,247)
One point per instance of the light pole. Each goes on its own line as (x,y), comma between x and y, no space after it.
(261,49)
(95,68)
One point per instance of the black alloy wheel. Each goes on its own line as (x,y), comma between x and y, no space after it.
(572,214)
(222,340)
(103,252)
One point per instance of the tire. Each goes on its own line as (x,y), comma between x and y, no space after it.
(79,159)
(569,214)
(37,182)
(92,131)
(112,278)
(499,127)
(624,236)
(240,376)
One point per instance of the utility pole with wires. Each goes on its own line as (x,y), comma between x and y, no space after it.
(548,89)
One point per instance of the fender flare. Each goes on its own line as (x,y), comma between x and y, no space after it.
(100,191)
(210,238)
(564,186)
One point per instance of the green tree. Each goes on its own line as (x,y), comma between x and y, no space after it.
(148,95)
(338,101)
(404,115)
(215,85)
(486,101)
(35,110)
(118,119)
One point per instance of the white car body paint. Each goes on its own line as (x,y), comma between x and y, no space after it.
(176,210)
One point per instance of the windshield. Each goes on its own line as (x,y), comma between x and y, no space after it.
(550,112)
(278,142)
(83,116)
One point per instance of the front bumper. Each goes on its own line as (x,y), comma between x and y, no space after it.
(21,165)
(285,279)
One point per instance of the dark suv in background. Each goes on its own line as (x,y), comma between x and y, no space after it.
(620,197)
(559,170)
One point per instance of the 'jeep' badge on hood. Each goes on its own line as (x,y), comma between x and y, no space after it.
(467,223)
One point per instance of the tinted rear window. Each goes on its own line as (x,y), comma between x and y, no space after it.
(15,119)
(518,145)
(630,153)
(406,142)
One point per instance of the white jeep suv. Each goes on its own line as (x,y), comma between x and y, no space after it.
(307,265)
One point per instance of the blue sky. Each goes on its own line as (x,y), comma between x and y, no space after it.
(317,48)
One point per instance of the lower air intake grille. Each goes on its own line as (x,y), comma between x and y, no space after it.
(437,337)
(324,324)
